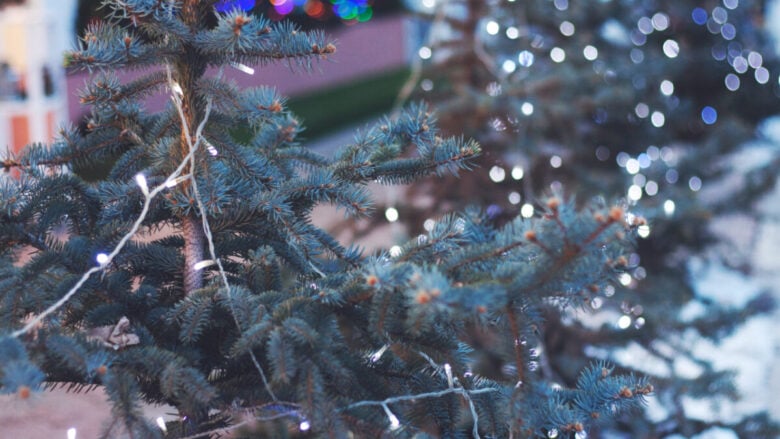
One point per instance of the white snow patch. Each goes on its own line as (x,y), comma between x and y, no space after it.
(686,368)
(692,311)
(636,356)
(770,127)
(594,320)
(717,433)
(654,410)
(749,352)
(721,284)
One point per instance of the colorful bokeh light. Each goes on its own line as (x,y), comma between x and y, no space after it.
(314,9)
(228,5)
(349,10)
(283,7)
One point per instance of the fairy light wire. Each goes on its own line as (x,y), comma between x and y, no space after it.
(148,197)
(460,390)
(207,227)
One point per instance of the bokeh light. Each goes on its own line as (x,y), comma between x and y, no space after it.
(349,10)
(709,115)
(229,5)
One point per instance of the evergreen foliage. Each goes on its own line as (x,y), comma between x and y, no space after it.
(192,274)
(649,101)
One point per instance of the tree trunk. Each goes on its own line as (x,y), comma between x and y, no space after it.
(188,70)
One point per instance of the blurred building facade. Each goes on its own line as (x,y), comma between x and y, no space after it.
(33,94)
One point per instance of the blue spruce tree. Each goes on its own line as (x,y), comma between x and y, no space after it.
(190,273)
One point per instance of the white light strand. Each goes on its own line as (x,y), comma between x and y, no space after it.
(203,264)
(161,423)
(141,180)
(171,182)
(237,425)
(378,354)
(463,392)
(242,68)
(448,372)
(204,218)
(460,390)
(148,197)
(394,422)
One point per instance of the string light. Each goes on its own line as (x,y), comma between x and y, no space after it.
(590,53)
(161,423)
(304,425)
(667,87)
(657,119)
(525,58)
(102,258)
(171,182)
(509,66)
(642,110)
(740,64)
(210,148)
(632,166)
(634,192)
(242,68)
(33,323)
(651,188)
(448,372)
(527,211)
(497,174)
(517,172)
(391,213)
(394,422)
(567,28)
(203,264)
(761,75)
(709,115)
(71,433)
(492,27)
(378,354)
(755,60)
(557,55)
(141,180)
(694,183)
(671,48)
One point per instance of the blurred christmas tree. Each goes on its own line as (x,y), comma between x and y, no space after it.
(649,101)
(192,275)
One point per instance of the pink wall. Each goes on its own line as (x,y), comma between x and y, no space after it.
(362,49)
